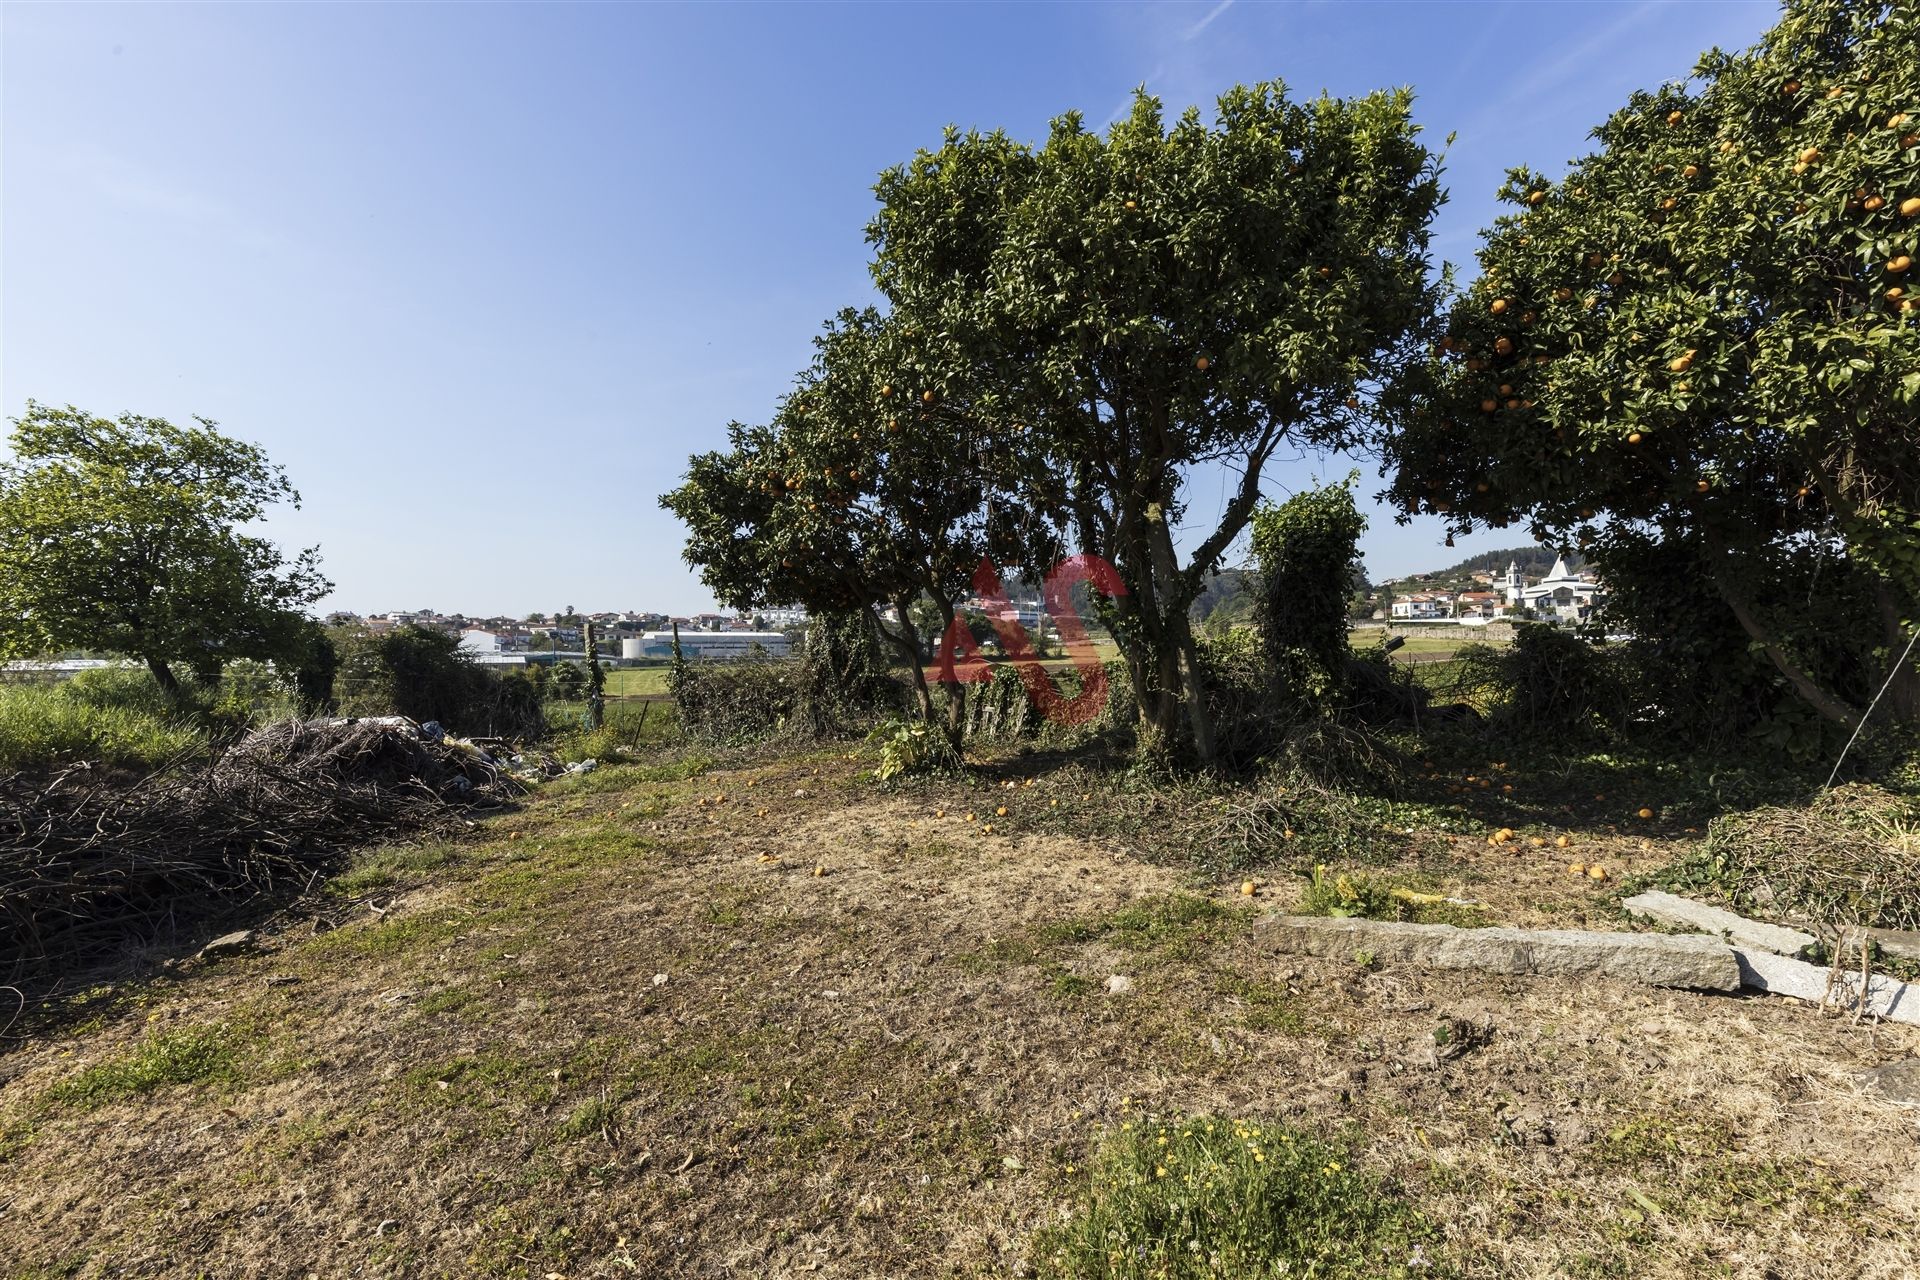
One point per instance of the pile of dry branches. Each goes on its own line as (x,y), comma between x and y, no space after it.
(1849,858)
(94,868)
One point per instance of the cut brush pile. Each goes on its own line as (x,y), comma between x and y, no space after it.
(93,868)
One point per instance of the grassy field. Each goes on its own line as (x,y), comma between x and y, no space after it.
(760,1016)
(632,682)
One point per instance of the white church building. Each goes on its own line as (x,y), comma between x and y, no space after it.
(1562,594)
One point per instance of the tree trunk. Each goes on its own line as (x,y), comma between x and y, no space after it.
(957,691)
(908,642)
(1903,683)
(1811,693)
(1199,717)
(164,677)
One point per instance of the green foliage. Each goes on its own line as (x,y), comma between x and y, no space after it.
(1375,897)
(1161,296)
(1213,1197)
(1703,332)
(124,535)
(1306,548)
(1548,680)
(909,747)
(735,702)
(46,725)
(412,671)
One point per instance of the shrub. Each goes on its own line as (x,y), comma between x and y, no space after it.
(908,746)
(1307,548)
(424,675)
(1214,1197)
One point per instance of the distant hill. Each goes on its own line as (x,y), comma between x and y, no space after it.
(1534,563)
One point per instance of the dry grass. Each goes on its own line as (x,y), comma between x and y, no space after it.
(630,1031)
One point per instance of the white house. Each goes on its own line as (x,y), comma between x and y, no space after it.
(1562,594)
(1423,606)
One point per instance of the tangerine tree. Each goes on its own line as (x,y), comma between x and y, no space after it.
(1160,300)
(1704,336)
(865,489)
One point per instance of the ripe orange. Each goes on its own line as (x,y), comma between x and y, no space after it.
(1616,279)
(1899,266)
(1669,203)
(893,426)
(1910,207)
(1633,437)
(927,397)
(1681,363)
(1728,146)
(1499,306)
(1133,204)
(1503,346)
(1249,888)
(1790,88)
(1001,812)
(1562,841)
(1536,197)
(1562,294)
(1201,363)
(887,389)
(1675,117)
(1691,171)
(1645,813)
(1489,405)
(1811,155)
(1596,873)
(1873,204)
(1702,485)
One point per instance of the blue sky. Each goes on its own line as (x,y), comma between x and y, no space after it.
(481,277)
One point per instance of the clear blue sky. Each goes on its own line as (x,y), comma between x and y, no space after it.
(481,277)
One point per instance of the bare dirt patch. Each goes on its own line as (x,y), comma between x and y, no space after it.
(630,1030)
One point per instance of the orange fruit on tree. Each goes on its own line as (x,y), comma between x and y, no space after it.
(1691,171)
(1132,204)
(1675,117)
(1899,266)
(927,397)
(1910,207)
(1645,813)
(1562,294)
(1681,363)
(886,389)
(1498,306)
(1811,155)
(1633,437)
(1702,485)
(1503,346)
(1489,405)
(1873,204)
(1790,87)
(1201,363)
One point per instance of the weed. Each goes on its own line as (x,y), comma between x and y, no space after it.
(195,1055)
(1217,1197)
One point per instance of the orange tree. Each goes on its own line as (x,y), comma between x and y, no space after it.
(867,488)
(1159,300)
(1703,338)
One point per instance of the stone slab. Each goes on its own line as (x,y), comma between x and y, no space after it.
(1783,976)
(1903,944)
(1652,959)
(1668,908)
